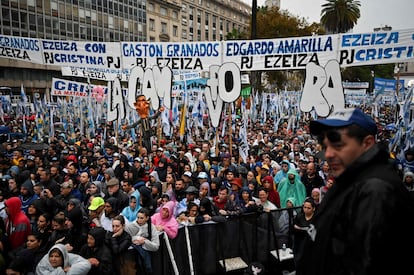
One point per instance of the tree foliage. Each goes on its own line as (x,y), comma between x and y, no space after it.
(276,23)
(365,73)
(340,16)
(235,35)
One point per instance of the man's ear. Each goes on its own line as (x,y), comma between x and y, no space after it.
(368,141)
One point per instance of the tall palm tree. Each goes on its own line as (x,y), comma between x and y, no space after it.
(339,16)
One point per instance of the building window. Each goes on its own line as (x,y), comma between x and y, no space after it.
(110,22)
(152,25)
(32,22)
(164,27)
(175,14)
(175,31)
(163,11)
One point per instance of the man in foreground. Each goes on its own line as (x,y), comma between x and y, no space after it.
(364,224)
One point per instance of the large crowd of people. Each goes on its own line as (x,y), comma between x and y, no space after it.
(88,204)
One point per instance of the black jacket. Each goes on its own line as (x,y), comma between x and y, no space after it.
(119,246)
(363,225)
(100,251)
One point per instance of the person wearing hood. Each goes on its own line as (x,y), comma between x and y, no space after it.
(291,187)
(130,212)
(94,190)
(165,221)
(405,161)
(35,209)
(161,169)
(27,195)
(108,174)
(190,160)
(287,216)
(13,172)
(59,261)
(246,201)
(122,167)
(77,230)
(282,173)
(408,180)
(97,252)
(153,178)
(274,197)
(206,211)
(17,223)
(111,210)
(156,191)
(146,199)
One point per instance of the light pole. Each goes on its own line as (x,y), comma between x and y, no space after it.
(397,69)
(254,75)
(254,19)
(372,81)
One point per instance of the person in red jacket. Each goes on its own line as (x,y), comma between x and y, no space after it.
(274,197)
(17,223)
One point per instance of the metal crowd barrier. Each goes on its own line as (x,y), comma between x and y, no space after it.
(215,247)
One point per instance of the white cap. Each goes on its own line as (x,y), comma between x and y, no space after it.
(308,150)
(202,175)
(187,173)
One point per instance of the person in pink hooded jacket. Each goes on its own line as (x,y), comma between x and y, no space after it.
(165,220)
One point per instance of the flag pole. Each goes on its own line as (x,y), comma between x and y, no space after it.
(230,117)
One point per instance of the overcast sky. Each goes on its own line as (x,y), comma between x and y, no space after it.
(374,13)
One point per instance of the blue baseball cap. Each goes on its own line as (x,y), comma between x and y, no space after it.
(343,118)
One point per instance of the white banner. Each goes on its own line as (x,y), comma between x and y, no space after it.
(116,59)
(64,87)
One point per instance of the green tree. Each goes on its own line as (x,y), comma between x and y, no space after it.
(276,23)
(340,16)
(364,73)
(235,35)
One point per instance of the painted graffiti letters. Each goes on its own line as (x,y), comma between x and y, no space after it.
(323,89)
(224,85)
